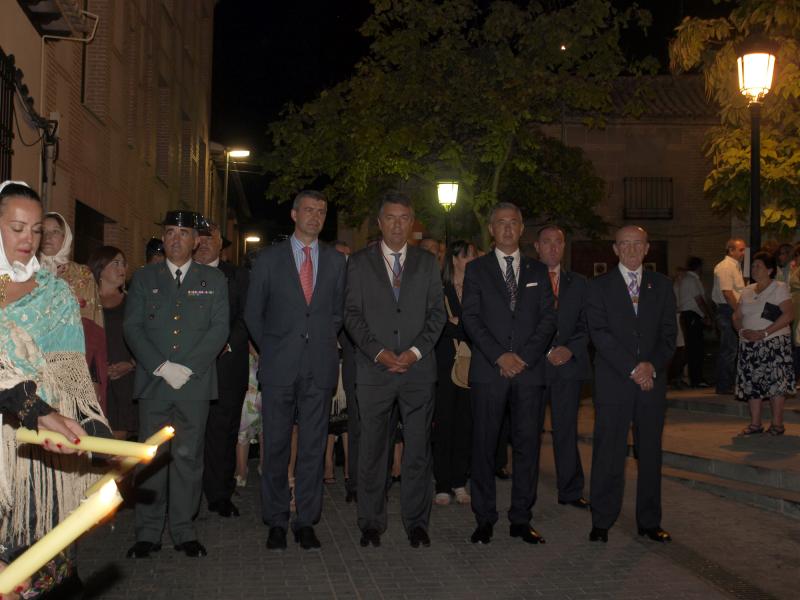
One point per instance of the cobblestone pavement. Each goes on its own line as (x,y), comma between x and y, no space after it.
(721,550)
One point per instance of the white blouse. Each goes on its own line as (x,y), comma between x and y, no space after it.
(752,305)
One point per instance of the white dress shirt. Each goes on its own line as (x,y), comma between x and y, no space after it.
(689,288)
(501,260)
(184,268)
(727,277)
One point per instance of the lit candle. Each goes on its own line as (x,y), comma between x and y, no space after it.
(88,514)
(126,464)
(90,444)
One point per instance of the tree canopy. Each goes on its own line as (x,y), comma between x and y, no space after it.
(711,45)
(453,90)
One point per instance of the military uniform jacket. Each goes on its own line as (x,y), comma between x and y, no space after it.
(187,325)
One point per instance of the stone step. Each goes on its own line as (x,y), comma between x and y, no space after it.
(762,496)
(708,402)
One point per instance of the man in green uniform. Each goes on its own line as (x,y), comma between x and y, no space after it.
(176,323)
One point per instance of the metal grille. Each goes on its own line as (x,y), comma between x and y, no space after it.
(648,197)
(7,71)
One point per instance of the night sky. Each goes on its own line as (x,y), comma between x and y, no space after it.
(267,54)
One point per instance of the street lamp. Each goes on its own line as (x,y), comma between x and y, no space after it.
(756,65)
(250,239)
(448,195)
(229,153)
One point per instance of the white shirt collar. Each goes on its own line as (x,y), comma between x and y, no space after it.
(387,252)
(625,270)
(213,263)
(184,267)
(556,270)
(734,261)
(501,255)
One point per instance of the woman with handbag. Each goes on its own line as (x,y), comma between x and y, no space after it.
(765,369)
(452,417)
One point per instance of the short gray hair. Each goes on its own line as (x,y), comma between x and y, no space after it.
(314,194)
(504,206)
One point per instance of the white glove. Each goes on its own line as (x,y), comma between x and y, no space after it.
(174,374)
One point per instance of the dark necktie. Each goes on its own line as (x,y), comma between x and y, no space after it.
(397,272)
(511,282)
(178,276)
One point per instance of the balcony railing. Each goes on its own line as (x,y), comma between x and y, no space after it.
(648,197)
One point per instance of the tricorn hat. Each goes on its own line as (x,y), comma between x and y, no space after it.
(185,218)
(154,246)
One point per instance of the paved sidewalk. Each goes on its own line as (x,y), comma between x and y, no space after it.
(721,550)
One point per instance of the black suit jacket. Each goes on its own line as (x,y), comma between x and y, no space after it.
(233,366)
(494,329)
(623,339)
(572,331)
(375,320)
(284,326)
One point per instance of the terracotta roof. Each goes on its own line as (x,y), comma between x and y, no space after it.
(668,97)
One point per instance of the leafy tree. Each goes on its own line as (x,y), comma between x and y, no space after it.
(711,46)
(450,89)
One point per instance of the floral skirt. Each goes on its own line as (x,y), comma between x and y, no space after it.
(765,368)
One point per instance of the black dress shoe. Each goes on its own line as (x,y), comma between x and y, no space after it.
(598,534)
(143,549)
(501,473)
(192,549)
(225,508)
(351,497)
(579,503)
(307,539)
(656,534)
(276,540)
(370,536)
(418,536)
(526,532)
(482,534)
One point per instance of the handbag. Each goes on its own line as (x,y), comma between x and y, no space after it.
(459,374)
(771,312)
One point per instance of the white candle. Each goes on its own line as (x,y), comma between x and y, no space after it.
(126,464)
(89,513)
(89,443)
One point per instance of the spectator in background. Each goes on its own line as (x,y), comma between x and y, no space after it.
(109,268)
(794,290)
(762,319)
(784,257)
(452,414)
(154,251)
(728,286)
(694,316)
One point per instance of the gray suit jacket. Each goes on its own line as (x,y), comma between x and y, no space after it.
(375,320)
(284,326)
(188,326)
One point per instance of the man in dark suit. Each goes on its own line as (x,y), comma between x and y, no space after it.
(176,324)
(567,365)
(294,313)
(394,314)
(631,314)
(224,415)
(508,315)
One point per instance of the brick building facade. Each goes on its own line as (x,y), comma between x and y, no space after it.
(129,90)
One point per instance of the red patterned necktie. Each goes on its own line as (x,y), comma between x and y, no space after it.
(307,275)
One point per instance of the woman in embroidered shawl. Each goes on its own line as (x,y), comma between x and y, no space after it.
(42,369)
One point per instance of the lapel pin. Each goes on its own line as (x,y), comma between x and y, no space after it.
(649,286)
(203,283)
(155,290)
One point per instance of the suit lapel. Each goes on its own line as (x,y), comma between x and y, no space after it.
(288,260)
(496,275)
(322,267)
(410,268)
(645,291)
(621,291)
(379,265)
(525,277)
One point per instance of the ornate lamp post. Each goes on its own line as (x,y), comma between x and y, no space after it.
(448,195)
(756,65)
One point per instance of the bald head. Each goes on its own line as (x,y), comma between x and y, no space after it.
(631,246)
(735,248)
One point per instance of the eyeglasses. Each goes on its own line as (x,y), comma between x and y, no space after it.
(119,263)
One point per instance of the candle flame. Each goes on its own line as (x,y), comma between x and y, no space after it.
(108,491)
(151,452)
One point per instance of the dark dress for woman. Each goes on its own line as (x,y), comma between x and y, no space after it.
(452,416)
(123,414)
